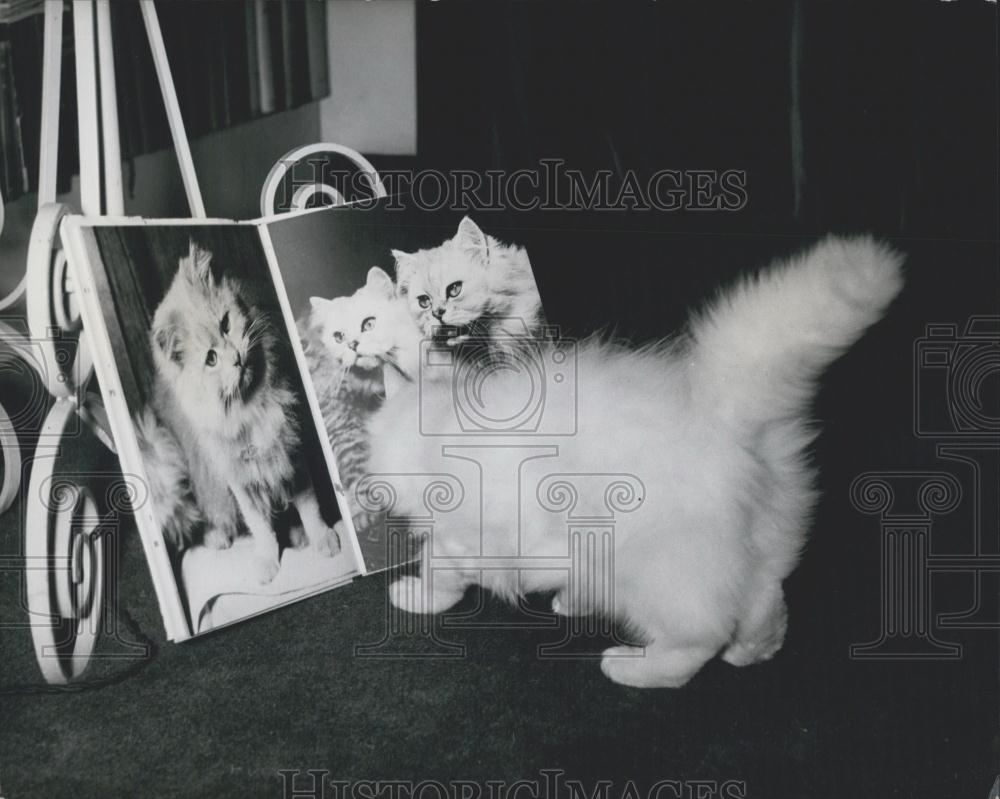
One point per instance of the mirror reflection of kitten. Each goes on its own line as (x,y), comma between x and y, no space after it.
(473,285)
(354,347)
(219,396)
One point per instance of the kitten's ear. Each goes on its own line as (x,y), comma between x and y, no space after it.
(406,264)
(471,239)
(404,260)
(168,339)
(379,281)
(319,304)
(196,265)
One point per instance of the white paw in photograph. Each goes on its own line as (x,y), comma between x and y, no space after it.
(217,539)
(328,542)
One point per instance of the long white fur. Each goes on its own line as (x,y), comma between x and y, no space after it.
(714,424)
(173,502)
(221,416)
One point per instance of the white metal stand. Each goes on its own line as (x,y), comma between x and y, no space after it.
(64,557)
(64,550)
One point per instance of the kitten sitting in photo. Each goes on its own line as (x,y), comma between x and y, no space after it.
(220,437)
(356,348)
(472,286)
(716,427)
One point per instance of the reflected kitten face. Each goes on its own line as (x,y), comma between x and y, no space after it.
(366,329)
(208,340)
(447,285)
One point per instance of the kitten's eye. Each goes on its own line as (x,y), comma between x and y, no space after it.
(338,336)
(224,324)
(424,301)
(368,324)
(211,358)
(454,289)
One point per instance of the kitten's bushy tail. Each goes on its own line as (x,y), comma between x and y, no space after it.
(760,347)
(173,503)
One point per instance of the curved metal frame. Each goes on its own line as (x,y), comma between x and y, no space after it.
(64,547)
(61,524)
(303,193)
(64,560)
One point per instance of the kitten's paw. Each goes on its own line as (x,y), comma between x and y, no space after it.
(218,538)
(559,604)
(407,594)
(741,655)
(762,642)
(411,594)
(746,653)
(564,604)
(297,537)
(619,664)
(328,543)
(652,667)
(265,568)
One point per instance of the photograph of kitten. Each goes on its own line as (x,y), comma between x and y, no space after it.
(364,337)
(472,286)
(220,433)
(716,426)
(357,348)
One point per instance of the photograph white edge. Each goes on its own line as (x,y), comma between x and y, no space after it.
(119,221)
(96,335)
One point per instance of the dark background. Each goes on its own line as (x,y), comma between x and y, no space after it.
(898,107)
(897,102)
(329,255)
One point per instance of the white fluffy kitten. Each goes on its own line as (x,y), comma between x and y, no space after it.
(358,348)
(219,399)
(715,427)
(471,284)
(368,330)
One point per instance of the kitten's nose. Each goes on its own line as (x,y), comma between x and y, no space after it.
(354,345)
(438,313)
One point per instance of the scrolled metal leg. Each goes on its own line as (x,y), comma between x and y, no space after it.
(52,309)
(10,460)
(64,560)
(63,546)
